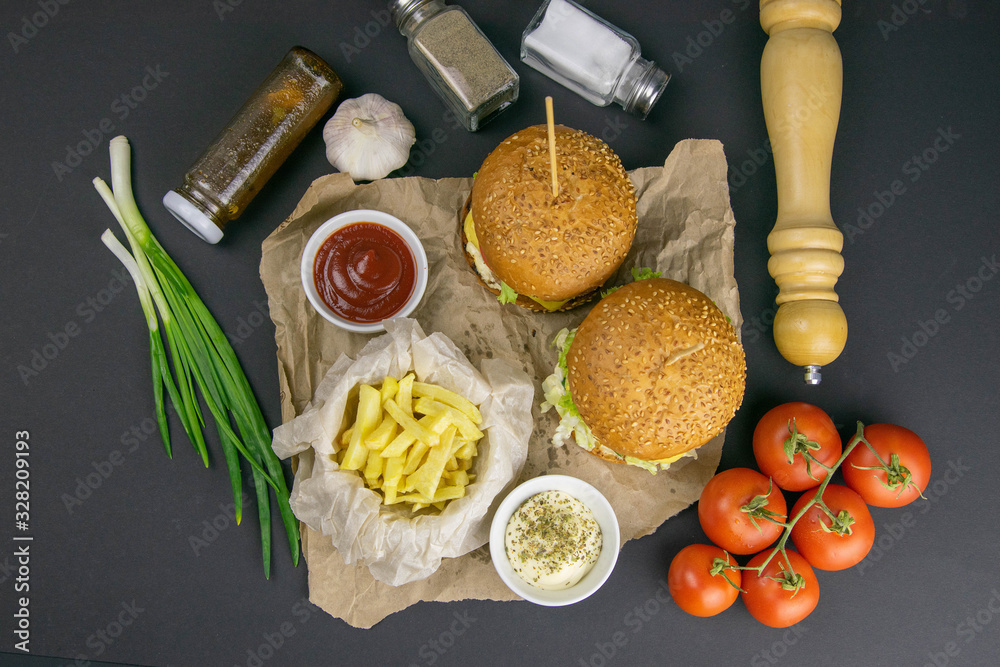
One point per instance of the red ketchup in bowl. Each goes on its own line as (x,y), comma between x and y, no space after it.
(364,272)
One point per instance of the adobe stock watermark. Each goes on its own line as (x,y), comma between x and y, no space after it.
(427,146)
(779,648)
(121,107)
(218,524)
(100,471)
(223,7)
(272,642)
(900,16)
(104,638)
(247,325)
(914,168)
(967,630)
(362,35)
(44,354)
(635,620)
(697,44)
(32,23)
(434,648)
(958,297)
(738,175)
(894,531)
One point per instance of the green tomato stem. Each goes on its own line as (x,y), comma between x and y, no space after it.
(817,498)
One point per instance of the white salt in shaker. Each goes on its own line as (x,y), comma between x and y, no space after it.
(591,57)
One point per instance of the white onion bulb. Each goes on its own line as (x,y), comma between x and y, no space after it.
(368,137)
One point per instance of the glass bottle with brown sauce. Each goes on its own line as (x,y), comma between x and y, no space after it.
(263,133)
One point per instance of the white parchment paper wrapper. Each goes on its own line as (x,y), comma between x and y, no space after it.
(396,547)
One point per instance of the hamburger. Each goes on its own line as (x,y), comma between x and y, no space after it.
(545,252)
(653,372)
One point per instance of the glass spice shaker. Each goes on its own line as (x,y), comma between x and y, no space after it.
(461,64)
(591,57)
(263,133)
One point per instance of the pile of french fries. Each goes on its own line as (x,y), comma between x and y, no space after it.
(413,442)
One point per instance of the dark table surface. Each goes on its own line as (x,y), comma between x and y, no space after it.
(113,576)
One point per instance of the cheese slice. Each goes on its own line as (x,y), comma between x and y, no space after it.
(470,234)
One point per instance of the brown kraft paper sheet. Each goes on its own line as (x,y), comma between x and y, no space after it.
(686,231)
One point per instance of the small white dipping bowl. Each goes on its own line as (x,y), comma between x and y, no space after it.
(348,218)
(606,519)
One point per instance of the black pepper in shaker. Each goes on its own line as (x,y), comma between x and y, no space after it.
(458,60)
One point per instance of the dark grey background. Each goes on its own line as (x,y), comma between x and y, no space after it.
(910,603)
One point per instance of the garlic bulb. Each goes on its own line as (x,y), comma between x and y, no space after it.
(368,137)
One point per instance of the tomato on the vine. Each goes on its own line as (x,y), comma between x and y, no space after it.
(738,509)
(778,597)
(698,583)
(899,477)
(837,542)
(795,444)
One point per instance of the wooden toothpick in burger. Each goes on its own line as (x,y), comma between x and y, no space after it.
(552,144)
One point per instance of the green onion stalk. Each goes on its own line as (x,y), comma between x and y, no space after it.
(199,356)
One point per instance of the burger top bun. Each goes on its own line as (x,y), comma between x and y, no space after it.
(553,248)
(655,370)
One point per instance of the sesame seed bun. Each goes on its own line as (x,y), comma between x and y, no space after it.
(553,248)
(522,300)
(655,370)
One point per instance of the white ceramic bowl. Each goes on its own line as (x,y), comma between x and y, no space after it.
(606,519)
(350,217)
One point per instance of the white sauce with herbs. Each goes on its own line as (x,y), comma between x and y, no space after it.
(553,540)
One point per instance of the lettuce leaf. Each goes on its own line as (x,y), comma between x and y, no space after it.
(507,293)
(554,387)
(638,273)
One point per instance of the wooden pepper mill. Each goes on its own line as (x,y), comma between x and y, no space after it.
(801,76)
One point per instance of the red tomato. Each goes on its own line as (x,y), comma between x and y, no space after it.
(788,442)
(903,452)
(732,508)
(833,550)
(768,601)
(693,586)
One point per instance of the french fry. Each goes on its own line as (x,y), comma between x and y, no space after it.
(373,468)
(404,395)
(426,478)
(392,471)
(408,423)
(382,435)
(389,494)
(457,477)
(448,493)
(448,397)
(428,406)
(399,445)
(413,442)
(369,412)
(467,450)
(389,388)
(415,458)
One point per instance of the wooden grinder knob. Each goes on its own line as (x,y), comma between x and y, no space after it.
(801,76)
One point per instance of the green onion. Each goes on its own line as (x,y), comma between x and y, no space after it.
(199,356)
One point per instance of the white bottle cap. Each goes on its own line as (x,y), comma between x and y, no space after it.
(193,217)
